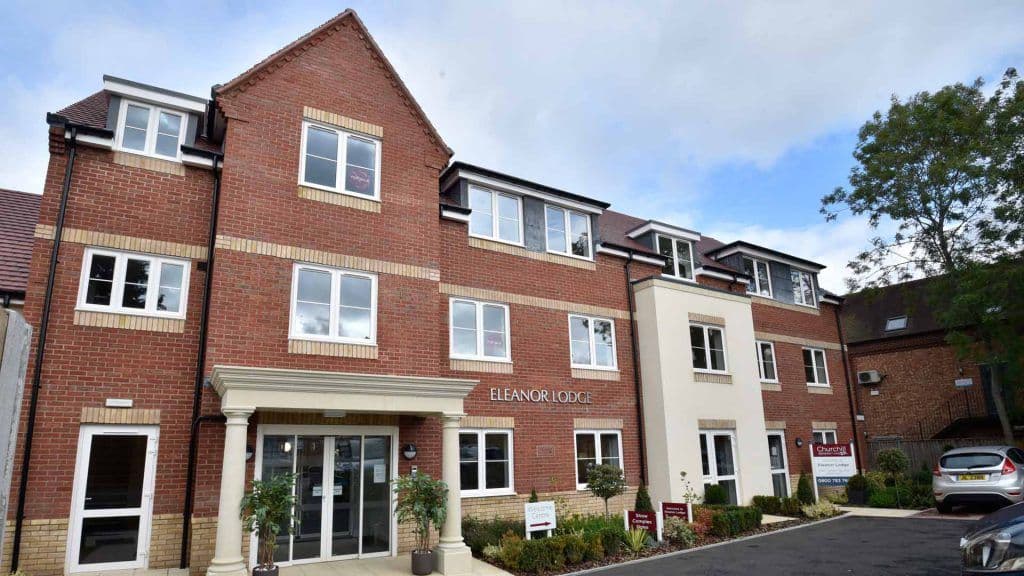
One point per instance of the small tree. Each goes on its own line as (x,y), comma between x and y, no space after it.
(606,482)
(267,511)
(643,500)
(894,463)
(422,501)
(804,490)
(533,496)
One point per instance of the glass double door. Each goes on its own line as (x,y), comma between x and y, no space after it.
(342,493)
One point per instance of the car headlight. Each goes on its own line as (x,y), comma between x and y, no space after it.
(999,550)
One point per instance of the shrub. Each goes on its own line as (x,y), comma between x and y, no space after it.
(575,548)
(921,496)
(611,539)
(511,551)
(481,533)
(804,490)
(822,509)
(533,496)
(735,520)
(678,531)
(606,482)
(643,501)
(768,504)
(876,480)
(588,524)
(555,548)
(636,541)
(595,548)
(923,475)
(884,498)
(857,482)
(492,553)
(536,556)
(790,506)
(715,494)
(892,461)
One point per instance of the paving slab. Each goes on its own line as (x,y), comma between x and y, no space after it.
(385,566)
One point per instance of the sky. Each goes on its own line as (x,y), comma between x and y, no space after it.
(729,118)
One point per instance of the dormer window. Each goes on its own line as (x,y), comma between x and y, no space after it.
(803,287)
(151,130)
(495,215)
(568,231)
(760,277)
(896,323)
(339,161)
(678,256)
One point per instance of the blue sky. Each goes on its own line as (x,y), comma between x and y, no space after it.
(729,118)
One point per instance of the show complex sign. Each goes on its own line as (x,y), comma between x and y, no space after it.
(654,522)
(539,395)
(832,464)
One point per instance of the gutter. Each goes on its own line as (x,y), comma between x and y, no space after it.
(44,324)
(849,388)
(197,391)
(634,341)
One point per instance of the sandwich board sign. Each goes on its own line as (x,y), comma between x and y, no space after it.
(540,517)
(832,464)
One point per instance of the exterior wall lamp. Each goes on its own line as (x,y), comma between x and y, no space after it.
(799,442)
(409,451)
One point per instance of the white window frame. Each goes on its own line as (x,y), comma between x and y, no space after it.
(814,362)
(902,317)
(593,344)
(336,274)
(599,458)
(151,129)
(825,432)
(566,221)
(339,179)
(117,288)
(757,279)
(714,477)
(707,348)
(480,357)
(760,361)
(675,256)
(482,464)
(785,459)
(496,219)
(814,289)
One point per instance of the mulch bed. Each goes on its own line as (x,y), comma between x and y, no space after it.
(667,547)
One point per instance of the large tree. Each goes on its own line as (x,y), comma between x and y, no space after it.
(938,176)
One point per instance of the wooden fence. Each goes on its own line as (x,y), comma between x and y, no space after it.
(923,451)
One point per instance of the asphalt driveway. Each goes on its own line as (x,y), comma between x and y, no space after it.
(848,545)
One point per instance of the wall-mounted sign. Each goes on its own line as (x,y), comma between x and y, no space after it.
(540,395)
(832,464)
(540,517)
(963,382)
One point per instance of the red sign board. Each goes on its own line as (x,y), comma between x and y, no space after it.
(831,450)
(646,520)
(675,510)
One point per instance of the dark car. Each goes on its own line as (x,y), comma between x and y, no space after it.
(995,544)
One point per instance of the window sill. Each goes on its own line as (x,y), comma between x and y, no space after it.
(359,202)
(680,278)
(712,377)
(580,373)
(477,365)
(133,152)
(337,349)
(487,494)
(567,255)
(374,198)
(819,389)
(128,312)
(129,322)
(498,240)
(349,341)
(515,250)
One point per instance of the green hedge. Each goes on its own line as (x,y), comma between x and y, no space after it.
(734,520)
(547,554)
(768,504)
(481,533)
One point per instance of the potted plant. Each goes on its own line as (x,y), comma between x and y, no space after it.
(424,502)
(857,490)
(267,511)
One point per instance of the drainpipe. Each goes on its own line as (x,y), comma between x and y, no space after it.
(849,389)
(44,323)
(636,373)
(197,392)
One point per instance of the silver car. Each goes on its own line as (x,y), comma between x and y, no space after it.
(978,475)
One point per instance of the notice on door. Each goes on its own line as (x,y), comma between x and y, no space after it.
(379,474)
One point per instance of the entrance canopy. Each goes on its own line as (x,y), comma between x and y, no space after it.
(277,388)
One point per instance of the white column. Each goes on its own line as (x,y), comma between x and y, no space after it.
(453,556)
(227,557)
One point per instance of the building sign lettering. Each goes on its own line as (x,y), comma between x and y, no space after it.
(540,396)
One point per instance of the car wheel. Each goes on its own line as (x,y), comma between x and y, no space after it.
(944,507)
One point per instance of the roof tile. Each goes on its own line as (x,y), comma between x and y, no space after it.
(19,212)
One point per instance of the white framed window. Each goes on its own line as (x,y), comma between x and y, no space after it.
(760,277)
(678,256)
(824,437)
(568,232)
(803,287)
(485,463)
(779,463)
(718,461)
(333,305)
(766,365)
(130,283)
(478,330)
(495,215)
(595,447)
(815,367)
(336,160)
(150,130)
(896,323)
(592,342)
(708,346)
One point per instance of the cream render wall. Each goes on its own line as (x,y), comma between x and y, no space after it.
(676,403)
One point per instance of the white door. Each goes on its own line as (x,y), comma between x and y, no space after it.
(718,461)
(112,503)
(779,463)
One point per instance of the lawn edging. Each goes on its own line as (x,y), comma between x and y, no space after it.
(704,547)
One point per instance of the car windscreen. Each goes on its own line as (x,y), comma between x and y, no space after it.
(968,461)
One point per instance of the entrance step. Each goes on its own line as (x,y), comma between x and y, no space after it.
(388,566)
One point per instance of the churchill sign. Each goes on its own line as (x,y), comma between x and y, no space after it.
(539,396)
(832,464)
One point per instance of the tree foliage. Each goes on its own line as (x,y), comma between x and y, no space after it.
(422,501)
(267,511)
(606,482)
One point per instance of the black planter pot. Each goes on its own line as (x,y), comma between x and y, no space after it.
(422,562)
(856,497)
(265,570)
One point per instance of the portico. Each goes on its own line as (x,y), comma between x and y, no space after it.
(246,390)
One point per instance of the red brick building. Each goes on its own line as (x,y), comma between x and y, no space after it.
(268,280)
